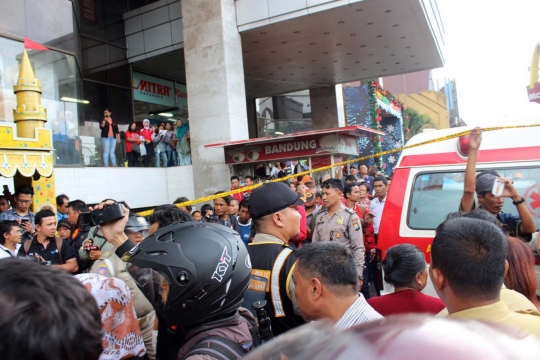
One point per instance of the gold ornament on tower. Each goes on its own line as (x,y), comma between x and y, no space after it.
(26,149)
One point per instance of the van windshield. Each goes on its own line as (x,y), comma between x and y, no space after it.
(436,194)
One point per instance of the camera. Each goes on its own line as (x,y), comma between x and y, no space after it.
(211,218)
(108,214)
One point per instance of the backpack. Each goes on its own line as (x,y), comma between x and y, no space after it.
(218,347)
(224,349)
(59,241)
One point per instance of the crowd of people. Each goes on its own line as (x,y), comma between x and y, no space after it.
(182,283)
(159,145)
(163,145)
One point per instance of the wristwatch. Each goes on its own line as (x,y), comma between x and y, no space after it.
(516,203)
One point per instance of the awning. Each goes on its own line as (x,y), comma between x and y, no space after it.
(25,155)
(358,131)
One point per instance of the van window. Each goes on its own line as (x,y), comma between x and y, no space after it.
(436,194)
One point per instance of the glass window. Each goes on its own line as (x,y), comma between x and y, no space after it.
(436,194)
(61,94)
(284,114)
(135,4)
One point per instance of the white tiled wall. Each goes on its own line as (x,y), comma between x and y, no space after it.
(255,13)
(138,187)
(179,183)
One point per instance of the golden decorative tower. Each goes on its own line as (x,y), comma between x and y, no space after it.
(26,148)
(30,114)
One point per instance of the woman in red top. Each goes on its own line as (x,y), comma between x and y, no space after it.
(132,137)
(405,268)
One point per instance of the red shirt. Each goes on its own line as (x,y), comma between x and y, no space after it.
(302,234)
(406,301)
(368,230)
(239,196)
(129,144)
(147,133)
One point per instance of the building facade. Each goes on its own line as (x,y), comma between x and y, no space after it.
(209,63)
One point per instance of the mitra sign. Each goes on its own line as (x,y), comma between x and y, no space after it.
(152,89)
(534,93)
(292,148)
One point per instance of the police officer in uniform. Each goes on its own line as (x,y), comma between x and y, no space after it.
(336,222)
(273,213)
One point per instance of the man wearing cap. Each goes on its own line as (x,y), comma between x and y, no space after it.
(336,222)
(273,213)
(521,226)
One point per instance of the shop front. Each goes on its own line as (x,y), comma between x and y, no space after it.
(302,151)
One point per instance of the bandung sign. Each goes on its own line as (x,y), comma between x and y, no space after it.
(533,89)
(301,147)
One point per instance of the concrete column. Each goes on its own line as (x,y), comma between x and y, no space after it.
(215,87)
(252,118)
(324,109)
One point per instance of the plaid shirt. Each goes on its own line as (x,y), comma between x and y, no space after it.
(11,214)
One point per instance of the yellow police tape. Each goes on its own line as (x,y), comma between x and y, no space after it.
(307,172)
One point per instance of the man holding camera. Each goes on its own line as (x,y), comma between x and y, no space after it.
(520,226)
(80,233)
(48,249)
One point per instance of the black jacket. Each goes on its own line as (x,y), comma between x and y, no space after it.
(105,129)
(76,243)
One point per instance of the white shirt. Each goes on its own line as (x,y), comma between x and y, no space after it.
(274,172)
(358,313)
(376,208)
(4,250)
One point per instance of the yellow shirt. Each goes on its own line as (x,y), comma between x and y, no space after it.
(514,300)
(499,313)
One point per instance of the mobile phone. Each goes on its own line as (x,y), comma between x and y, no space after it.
(6,189)
(24,221)
(91,247)
(498,188)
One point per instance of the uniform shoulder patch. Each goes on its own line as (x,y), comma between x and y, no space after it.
(350,211)
(321,210)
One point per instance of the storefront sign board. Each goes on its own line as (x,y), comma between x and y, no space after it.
(291,148)
(153,90)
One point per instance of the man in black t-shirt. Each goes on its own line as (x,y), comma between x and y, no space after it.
(46,247)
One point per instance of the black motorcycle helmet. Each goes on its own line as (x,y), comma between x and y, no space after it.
(201,271)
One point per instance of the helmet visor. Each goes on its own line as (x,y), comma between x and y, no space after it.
(154,285)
